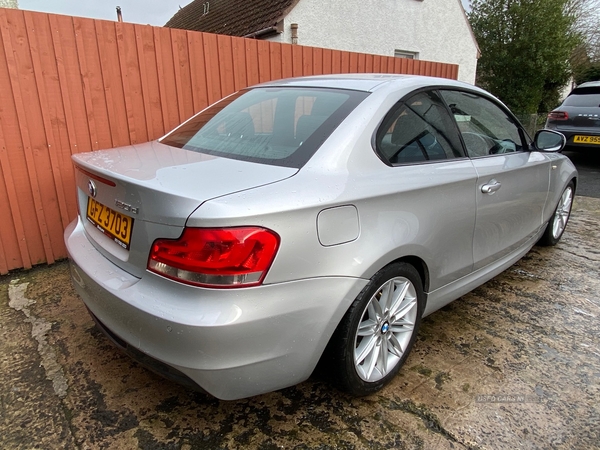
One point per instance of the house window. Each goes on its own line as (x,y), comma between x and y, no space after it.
(406,54)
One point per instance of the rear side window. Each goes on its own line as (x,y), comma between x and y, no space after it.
(418,129)
(279,126)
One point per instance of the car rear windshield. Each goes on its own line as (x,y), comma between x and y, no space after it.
(585,99)
(282,126)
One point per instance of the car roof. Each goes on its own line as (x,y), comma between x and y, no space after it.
(588,84)
(367,82)
(589,88)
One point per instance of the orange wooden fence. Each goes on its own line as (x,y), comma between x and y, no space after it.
(70,85)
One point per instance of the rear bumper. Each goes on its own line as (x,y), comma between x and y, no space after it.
(233,343)
(570,133)
(148,362)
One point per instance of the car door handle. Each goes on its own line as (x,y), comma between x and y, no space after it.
(491,187)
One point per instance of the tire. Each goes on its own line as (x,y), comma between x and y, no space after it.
(558,222)
(385,316)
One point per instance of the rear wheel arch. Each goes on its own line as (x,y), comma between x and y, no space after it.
(420,266)
(410,257)
(371,343)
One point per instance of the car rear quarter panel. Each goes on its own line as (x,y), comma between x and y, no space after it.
(404,211)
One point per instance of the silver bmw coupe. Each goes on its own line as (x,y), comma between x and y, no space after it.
(309,221)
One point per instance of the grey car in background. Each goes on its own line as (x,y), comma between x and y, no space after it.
(578,117)
(309,220)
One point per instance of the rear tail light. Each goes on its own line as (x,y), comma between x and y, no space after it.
(558,115)
(216,257)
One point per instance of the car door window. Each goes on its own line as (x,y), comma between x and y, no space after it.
(485,128)
(416,130)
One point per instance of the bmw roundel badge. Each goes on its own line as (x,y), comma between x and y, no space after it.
(92,188)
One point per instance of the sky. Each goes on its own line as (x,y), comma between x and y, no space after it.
(147,12)
(151,12)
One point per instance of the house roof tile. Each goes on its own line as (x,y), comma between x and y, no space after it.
(232,17)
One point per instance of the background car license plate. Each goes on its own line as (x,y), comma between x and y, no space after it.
(113,224)
(587,139)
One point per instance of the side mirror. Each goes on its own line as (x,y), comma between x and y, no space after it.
(549,141)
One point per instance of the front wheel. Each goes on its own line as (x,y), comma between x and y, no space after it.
(558,222)
(378,330)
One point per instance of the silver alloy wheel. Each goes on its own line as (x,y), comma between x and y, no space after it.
(385,329)
(563,210)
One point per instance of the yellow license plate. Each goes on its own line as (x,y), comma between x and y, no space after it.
(113,224)
(587,140)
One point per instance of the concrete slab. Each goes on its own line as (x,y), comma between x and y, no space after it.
(514,364)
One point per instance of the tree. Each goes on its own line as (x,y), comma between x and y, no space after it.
(590,72)
(525,49)
(585,60)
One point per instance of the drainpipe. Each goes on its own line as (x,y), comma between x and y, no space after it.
(294,33)
(119,15)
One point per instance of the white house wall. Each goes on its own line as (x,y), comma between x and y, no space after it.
(436,29)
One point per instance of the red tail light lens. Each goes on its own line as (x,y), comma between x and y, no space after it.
(216,257)
(558,115)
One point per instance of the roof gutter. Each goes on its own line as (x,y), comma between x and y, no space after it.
(276,29)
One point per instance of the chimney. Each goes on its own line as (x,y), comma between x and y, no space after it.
(119,15)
